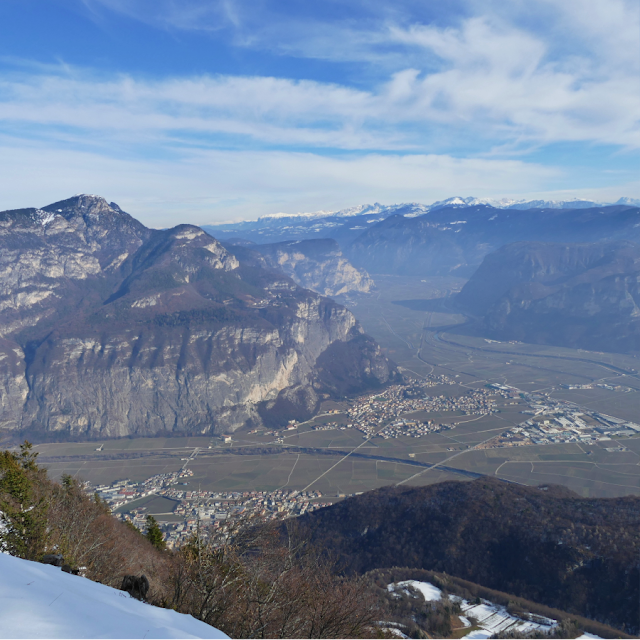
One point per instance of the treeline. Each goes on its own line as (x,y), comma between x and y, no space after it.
(251,582)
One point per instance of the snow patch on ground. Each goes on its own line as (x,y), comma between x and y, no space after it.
(479,634)
(429,591)
(40,601)
(491,618)
(45,217)
(396,632)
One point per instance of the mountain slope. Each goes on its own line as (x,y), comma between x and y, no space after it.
(40,601)
(164,331)
(454,240)
(314,264)
(577,295)
(547,545)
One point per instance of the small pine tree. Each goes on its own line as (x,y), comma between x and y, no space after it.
(132,526)
(22,512)
(154,534)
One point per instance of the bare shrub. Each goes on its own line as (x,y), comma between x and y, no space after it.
(251,583)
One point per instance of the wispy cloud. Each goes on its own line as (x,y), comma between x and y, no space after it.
(496,86)
(491,76)
(201,15)
(204,185)
(427,100)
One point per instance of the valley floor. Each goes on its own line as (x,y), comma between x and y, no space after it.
(524,413)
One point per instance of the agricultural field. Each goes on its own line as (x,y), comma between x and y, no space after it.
(412,320)
(426,337)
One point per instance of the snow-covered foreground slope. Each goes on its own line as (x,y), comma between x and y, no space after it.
(40,601)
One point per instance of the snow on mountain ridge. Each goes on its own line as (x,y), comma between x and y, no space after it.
(510,203)
(415,208)
(634,202)
(358,210)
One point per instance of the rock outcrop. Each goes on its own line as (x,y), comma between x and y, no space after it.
(317,265)
(109,329)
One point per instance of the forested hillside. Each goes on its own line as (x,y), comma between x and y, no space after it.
(546,544)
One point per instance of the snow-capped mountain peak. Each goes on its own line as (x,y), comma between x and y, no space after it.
(358,210)
(633,202)
(413,209)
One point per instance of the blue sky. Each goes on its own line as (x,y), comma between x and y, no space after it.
(202,111)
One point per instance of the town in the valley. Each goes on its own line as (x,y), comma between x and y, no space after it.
(392,413)
(552,421)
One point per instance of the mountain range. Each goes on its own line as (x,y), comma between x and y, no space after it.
(455,240)
(578,295)
(448,237)
(109,329)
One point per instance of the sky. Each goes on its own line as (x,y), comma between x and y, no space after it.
(205,111)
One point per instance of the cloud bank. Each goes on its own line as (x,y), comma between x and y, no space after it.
(439,100)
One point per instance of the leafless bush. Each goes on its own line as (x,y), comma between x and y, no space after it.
(252,583)
(85,533)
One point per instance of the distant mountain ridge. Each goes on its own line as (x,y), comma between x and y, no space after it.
(418,208)
(108,329)
(454,240)
(448,237)
(575,295)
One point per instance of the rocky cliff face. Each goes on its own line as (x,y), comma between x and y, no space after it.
(576,295)
(111,329)
(317,265)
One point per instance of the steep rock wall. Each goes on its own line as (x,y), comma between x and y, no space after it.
(110,329)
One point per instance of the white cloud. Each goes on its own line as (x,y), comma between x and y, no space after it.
(523,73)
(206,186)
(495,79)
(267,109)
(500,76)
(496,86)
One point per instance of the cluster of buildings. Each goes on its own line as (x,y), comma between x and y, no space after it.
(413,428)
(220,510)
(599,385)
(556,421)
(203,509)
(120,493)
(396,404)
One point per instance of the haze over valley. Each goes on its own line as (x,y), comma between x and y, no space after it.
(345,343)
(174,334)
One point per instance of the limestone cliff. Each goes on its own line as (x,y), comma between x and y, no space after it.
(317,265)
(108,329)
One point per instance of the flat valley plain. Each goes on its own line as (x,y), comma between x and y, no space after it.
(412,320)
